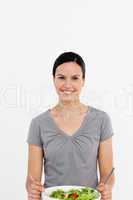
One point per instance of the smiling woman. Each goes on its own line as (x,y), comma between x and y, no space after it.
(71,137)
(69,76)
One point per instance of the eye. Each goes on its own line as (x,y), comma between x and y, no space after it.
(61,77)
(75,78)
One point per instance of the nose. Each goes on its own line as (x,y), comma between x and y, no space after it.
(67,83)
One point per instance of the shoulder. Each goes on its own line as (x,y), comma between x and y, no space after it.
(40,118)
(100,114)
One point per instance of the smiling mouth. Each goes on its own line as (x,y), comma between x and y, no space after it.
(67,92)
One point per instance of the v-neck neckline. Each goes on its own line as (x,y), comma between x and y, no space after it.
(75,132)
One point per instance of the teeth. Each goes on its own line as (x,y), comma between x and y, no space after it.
(67,92)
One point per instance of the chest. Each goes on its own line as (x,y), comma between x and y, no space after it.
(69,125)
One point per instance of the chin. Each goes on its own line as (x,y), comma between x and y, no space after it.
(67,99)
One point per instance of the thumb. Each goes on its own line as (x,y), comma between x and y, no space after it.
(100,187)
(37,183)
(31,178)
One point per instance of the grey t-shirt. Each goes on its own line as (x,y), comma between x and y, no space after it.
(70,160)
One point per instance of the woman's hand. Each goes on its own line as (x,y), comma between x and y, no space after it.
(105,190)
(34,190)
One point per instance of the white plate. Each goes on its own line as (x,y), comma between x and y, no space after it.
(47,192)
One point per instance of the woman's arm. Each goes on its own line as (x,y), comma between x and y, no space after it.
(105,161)
(35,164)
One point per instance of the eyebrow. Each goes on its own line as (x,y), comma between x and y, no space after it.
(64,75)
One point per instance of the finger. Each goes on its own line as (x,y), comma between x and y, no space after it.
(34,181)
(106,199)
(107,196)
(36,187)
(100,188)
(34,196)
(40,188)
(34,192)
(106,192)
(101,184)
(37,183)
(31,177)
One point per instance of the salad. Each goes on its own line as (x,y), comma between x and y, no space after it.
(75,194)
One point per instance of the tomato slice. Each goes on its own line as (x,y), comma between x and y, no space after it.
(74,195)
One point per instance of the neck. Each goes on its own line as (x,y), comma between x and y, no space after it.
(68,106)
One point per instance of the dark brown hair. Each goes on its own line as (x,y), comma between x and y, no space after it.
(69,57)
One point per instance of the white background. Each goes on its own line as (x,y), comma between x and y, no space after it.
(32,35)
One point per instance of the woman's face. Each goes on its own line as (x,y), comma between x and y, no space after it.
(68,81)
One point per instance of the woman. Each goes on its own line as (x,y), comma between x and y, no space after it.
(72,138)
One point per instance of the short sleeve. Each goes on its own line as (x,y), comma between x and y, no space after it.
(34,136)
(106,127)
